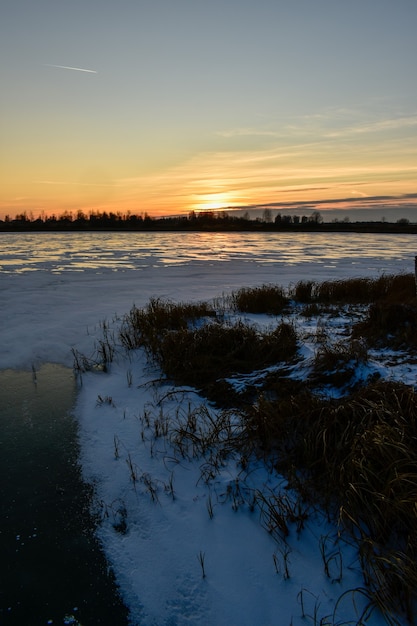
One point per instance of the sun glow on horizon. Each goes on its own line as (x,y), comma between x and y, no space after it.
(163,122)
(283,172)
(216,201)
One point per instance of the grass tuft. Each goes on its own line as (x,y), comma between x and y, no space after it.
(193,347)
(336,363)
(358,456)
(391,325)
(390,288)
(144,327)
(269,299)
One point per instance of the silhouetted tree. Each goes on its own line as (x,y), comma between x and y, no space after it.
(316,218)
(267,216)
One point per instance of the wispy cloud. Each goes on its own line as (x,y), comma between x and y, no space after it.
(357,193)
(321,127)
(248,132)
(334,202)
(68,67)
(68,183)
(379,126)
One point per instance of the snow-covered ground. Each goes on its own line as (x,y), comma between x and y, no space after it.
(186,549)
(163,512)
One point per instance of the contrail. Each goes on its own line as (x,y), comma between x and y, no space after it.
(67,67)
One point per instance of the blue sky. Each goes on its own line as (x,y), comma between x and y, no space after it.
(193,105)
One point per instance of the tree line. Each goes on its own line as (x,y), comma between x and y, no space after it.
(199,221)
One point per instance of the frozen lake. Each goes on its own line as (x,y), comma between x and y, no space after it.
(115,252)
(56,287)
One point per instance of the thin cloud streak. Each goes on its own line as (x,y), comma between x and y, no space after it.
(299,127)
(68,67)
(359,201)
(71,183)
(376,127)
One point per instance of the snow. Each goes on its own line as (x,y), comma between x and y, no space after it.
(157,560)
(186,549)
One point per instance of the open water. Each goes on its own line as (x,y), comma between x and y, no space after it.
(53,570)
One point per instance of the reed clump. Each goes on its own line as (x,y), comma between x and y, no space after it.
(336,363)
(203,355)
(358,456)
(192,346)
(269,299)
(144,327)
(390,288)
(272,299)
(392,325)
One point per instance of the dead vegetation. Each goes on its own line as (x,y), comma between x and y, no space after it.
(389,288)
(201,353)
(355,455)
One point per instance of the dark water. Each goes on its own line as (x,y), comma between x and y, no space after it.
(52,570)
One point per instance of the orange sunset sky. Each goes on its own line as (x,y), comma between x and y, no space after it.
(172,106)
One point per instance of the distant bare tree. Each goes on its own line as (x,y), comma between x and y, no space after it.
(267,216)
(316,217)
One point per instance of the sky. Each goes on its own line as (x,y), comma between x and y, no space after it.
(169,106)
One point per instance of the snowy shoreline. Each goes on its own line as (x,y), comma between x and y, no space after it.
(185,532)
(157,560)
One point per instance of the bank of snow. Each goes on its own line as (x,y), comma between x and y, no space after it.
(188,549)
(157,529)
(186,529)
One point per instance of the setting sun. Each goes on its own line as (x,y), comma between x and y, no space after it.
(214,202)
(168,120)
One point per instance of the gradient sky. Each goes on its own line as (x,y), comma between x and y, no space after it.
(192,104)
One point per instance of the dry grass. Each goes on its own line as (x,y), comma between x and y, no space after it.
(269,299)
(336,363)
(390,288)
(201,356)
(193,347)
(144,327)
(391,325)
(356,456)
